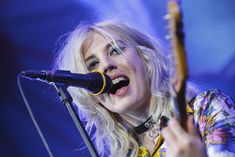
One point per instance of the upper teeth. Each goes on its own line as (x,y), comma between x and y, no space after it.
(118,79)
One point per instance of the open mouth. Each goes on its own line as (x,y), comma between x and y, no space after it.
(118,83)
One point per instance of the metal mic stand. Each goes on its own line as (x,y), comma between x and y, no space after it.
(67,100)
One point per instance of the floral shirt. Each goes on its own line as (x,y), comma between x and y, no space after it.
(214,116)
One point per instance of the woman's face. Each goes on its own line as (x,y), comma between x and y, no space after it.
(130,93)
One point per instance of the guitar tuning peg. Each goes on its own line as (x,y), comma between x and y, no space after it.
(167,17)
(167,37)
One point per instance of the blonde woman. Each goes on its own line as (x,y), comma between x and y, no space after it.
(129,120)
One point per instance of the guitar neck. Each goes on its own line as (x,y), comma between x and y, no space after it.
(181,72)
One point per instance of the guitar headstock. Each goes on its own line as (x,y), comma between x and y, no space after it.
(177,38)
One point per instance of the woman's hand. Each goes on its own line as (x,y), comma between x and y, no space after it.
(181,143)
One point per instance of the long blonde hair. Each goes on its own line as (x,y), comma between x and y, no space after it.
(111,134)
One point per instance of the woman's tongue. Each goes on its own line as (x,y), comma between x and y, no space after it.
(120,88)
(121,91)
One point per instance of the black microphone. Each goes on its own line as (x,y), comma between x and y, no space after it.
(95,82)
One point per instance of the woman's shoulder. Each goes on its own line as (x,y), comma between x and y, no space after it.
(212,99)
(212,93)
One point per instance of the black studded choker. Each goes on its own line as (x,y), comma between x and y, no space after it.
(144,126)
(149,123)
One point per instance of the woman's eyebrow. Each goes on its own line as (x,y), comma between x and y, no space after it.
(121,42)
(89,58)
(113,43)
(109,45)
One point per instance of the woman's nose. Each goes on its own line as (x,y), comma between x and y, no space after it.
(108,65)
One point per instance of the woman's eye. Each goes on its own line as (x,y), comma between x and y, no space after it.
(114,51)
(92,65)
(117,50)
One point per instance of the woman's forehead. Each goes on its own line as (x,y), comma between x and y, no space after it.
(111,39)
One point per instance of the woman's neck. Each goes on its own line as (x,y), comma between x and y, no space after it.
(135,119)
(139,116)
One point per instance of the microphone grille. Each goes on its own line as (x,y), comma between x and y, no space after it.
(103,83)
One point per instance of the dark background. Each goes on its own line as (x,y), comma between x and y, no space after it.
(30,29)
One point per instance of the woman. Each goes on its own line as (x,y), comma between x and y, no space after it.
(128,120)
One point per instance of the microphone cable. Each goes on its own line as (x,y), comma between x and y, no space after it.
(19,83)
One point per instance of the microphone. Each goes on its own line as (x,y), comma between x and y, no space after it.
(95,82)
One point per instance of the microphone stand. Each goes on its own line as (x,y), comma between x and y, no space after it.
(67,100)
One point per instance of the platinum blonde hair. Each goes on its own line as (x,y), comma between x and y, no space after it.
(111,133)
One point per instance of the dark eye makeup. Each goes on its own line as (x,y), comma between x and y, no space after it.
(92,64)
(116,50)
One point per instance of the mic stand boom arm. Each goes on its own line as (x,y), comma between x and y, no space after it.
(67,100)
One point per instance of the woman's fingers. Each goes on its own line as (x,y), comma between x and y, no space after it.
(173,133)
(191,127)
(182,143)
(178,132)
(168,135)
(176,128)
